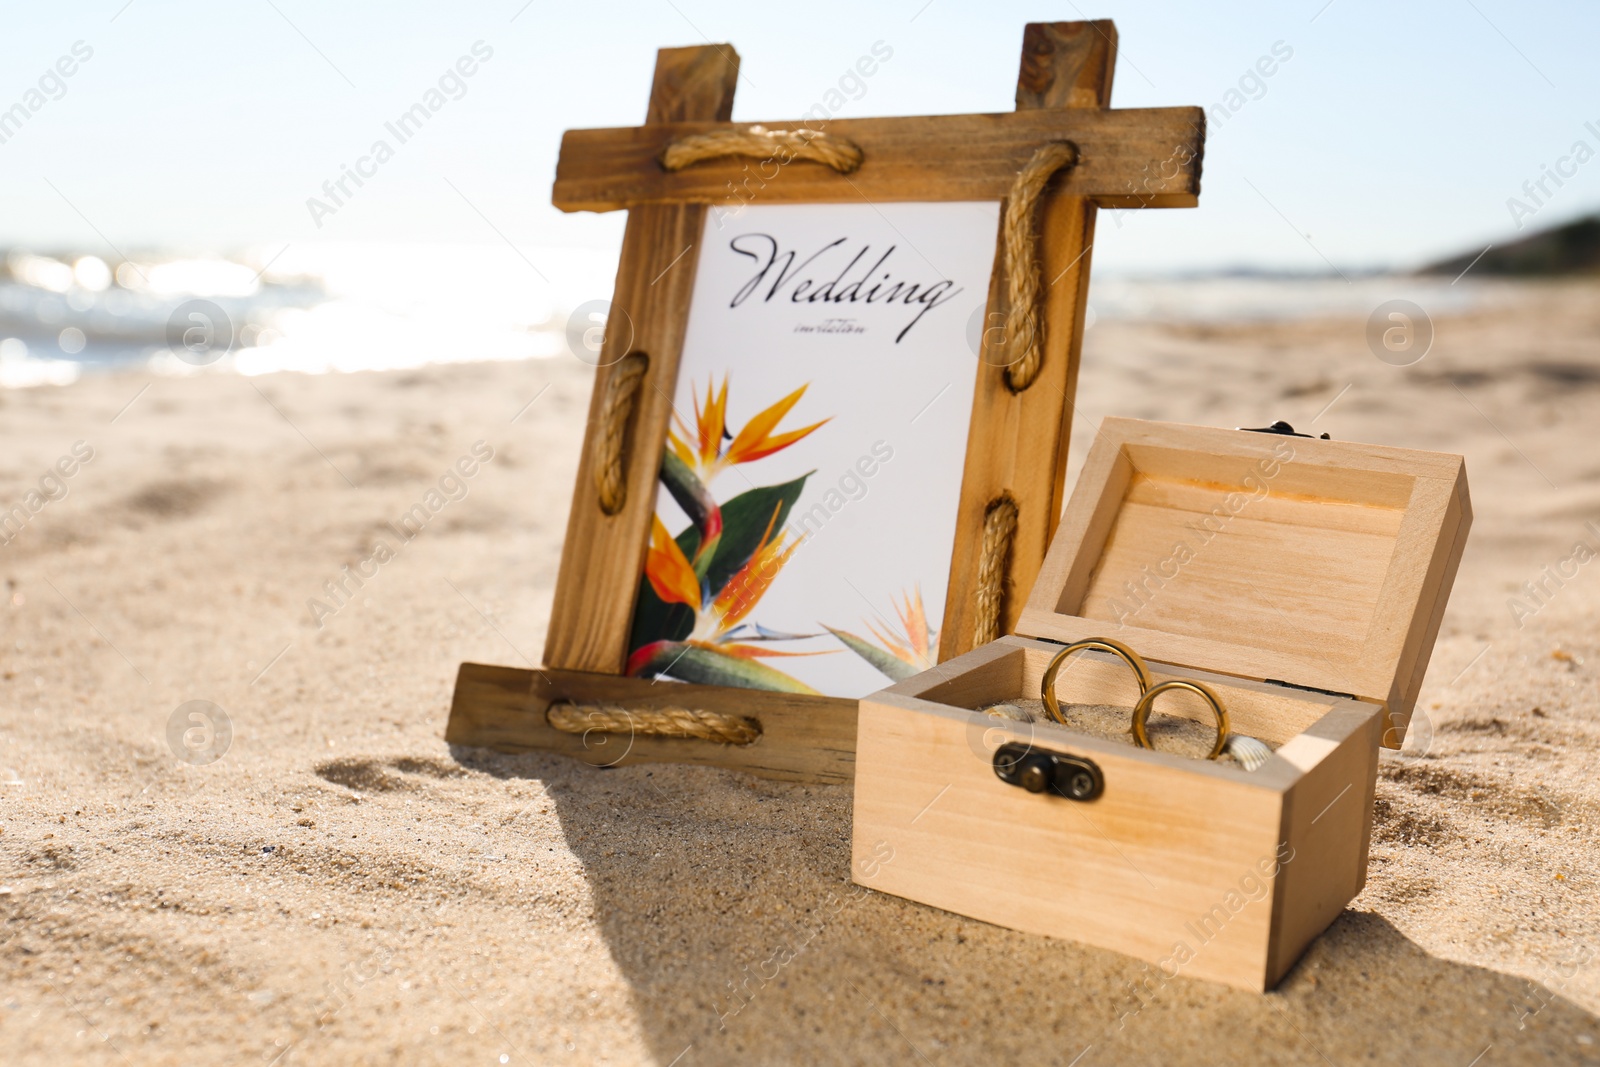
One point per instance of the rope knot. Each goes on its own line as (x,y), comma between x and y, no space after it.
(616,412)
(999,531)
(1024,286)
(667,721)
(758,142)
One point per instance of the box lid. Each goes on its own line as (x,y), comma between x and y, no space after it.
(1320,564)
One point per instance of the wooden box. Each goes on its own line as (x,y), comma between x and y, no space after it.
(1304,580)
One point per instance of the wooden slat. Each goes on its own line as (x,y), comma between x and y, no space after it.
(804,739)
(692,84)
(1427,554)
(1140,157)
(986,675)
(1018,441)
(603,555)
(1066,64)
(1441,575)
(1327,821)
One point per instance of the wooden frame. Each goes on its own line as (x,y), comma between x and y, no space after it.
(978,156)
(1017,439)
(805,739)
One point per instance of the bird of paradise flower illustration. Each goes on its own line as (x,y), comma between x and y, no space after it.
(705,455)
(899,653)
(691,619)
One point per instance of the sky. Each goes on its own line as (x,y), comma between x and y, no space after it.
(1391,134)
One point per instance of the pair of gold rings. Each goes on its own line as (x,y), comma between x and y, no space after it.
(1147,692)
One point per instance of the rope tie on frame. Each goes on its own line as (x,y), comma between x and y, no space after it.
(758,142)
(1024,287)
(616,411)
(653,722)
(999,531)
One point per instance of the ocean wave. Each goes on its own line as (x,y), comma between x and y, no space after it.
(318,309)
(322,309)
(19,370)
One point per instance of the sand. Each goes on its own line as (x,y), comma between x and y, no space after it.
(1166,732)
(342,887)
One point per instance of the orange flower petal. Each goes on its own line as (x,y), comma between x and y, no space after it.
(752,582)
(680,447)
(892,644)
(756,440)
(668,570)
(712,420)
(746,588)
(767,446)
(758,652)
(914,618)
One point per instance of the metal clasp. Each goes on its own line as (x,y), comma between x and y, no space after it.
(1279,427)
(1038,771)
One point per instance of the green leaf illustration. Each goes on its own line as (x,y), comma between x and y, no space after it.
(698,503)
(687,489)
(744,520)
(707,666)
(896,669)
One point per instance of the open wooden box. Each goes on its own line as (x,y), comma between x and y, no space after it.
(1303,580)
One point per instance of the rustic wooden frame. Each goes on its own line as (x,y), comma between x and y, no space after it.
(1017,440)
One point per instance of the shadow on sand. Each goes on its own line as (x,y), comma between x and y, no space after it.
(724,900)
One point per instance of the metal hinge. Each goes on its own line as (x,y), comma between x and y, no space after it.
(1279,427)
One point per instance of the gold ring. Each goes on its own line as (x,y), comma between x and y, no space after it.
(1141,712)
(1047,688)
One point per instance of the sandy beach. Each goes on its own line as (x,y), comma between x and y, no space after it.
(343,887)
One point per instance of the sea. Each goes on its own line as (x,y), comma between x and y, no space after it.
(350,308)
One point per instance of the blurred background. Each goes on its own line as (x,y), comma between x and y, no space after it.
(157,151)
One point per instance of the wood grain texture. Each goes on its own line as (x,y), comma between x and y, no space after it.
(1441,574)
(692,84)
(1130,871)
(1175,850)
(1330,571)
(987,675)
(1139,157)
(1327,820)
(603,555)
(1017,442)
(1067,64)
(803,739)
